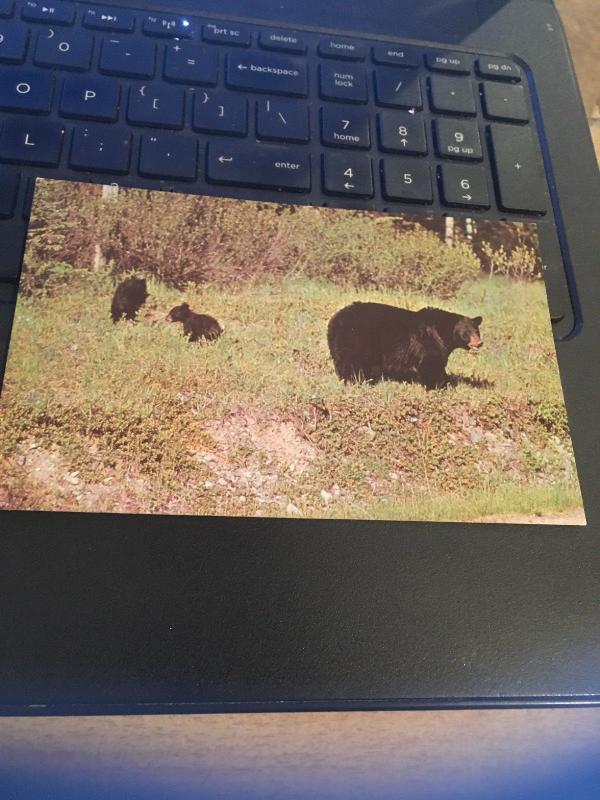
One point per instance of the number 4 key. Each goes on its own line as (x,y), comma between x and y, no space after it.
(347,175)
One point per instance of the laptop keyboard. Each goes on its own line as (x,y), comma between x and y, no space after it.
(191,101)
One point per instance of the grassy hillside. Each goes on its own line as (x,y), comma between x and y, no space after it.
(132,417)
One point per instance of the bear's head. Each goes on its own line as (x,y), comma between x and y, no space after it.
(466,333)
(179,313)
(138,285)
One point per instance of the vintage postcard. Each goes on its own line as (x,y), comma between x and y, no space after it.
(174,354)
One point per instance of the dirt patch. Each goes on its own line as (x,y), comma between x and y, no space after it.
(253,453)
(573,517)
(48,470)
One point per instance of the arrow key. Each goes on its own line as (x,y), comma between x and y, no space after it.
(402,132)
(464,186)
(347,175)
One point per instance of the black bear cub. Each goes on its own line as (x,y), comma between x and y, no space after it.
(130,295)
(375,341)
(195,326)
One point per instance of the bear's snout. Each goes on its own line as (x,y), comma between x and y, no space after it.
(475,342)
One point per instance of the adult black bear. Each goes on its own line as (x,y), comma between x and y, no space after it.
(374,341)
(130,295)
(195,326)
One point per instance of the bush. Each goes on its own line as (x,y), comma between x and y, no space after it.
(184,239)
(521,262)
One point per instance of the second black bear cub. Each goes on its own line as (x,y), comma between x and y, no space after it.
(195,326)
(375,341)
(130,295)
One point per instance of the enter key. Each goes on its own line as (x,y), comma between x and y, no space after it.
(261,166)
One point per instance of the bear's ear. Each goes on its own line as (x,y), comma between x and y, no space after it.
(477,321)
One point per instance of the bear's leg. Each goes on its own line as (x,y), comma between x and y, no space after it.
(432,374)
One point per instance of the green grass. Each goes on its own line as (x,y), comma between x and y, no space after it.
(258,423)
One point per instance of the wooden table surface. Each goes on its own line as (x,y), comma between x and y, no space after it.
(429,755)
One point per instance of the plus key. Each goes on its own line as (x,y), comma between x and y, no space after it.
(518,170)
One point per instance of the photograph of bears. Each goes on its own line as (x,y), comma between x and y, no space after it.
(174,354)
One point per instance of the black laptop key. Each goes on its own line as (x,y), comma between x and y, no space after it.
(449,62)
(452,95)
(505,102)
(31,141)
(26,90)
(498,68)
(220,112)
(111,19)
(225,33)
(347,174)
(169,157)
(407,180)
(63,50)
(166,27)
(191,64)
(262,166)
(9,188)
(52,13)
(13,42)
(402,132)
(282,120)
(101,149)
(7,8)
(345,127)
(396,55)
(518,168)
(398,88)
(343,82)
(90,98)
(157,106)
(127,57)
(261,72)
(464,186)
(283,41)
(343,49)
(455,138)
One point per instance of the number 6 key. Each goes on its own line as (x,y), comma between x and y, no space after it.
(464,186)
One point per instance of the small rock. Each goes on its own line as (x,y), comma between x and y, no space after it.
(326,496)
(208,484)
(292,509)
